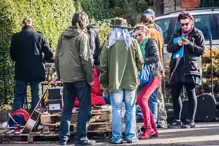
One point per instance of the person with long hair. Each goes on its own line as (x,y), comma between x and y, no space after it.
(74,66)
(185,70)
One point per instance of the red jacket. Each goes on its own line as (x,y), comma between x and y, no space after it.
(97,98)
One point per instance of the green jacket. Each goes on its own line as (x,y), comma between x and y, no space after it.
(73,58)
(120,66)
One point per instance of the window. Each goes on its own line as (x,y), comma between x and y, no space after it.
(203,23)
(164,24)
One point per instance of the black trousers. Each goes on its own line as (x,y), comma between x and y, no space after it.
(177,102)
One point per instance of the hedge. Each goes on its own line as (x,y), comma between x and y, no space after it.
(51,17)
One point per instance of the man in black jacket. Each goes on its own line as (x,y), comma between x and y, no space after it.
(28,49)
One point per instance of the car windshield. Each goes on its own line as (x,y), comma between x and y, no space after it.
(164,24)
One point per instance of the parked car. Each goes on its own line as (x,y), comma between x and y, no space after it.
(206,19)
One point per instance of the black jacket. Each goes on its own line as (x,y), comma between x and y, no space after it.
(152,58)
(190,64)
(29,49)
(192,52)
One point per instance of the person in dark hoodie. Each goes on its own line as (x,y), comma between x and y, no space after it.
(28,50)
(94,43)
(74,66)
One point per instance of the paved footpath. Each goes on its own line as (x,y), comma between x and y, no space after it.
(204,134)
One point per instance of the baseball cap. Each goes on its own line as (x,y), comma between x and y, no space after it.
(150,12)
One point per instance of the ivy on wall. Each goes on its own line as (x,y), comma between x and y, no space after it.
(51,17)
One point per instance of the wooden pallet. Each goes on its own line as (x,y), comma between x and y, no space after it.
(7,134)
(99,122)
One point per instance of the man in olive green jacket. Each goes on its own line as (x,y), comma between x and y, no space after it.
(121,61)
(74,66)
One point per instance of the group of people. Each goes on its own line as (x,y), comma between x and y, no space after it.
(119,63)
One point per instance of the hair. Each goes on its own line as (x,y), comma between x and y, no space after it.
(185,15)
(142,27)
(27,21)
(80,20)
(147,19)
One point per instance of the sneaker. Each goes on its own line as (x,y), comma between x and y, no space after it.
(162,124)
(131,140)
(188,124)
(62,143)
(149,133)
(175,124)
(85,142)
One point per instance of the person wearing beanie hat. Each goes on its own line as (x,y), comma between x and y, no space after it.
(152,14)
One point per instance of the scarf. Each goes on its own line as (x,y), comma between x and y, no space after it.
(120,34)
(143,46)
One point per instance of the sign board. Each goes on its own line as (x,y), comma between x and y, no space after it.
(190,4)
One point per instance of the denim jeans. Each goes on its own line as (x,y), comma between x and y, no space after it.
(82,90)
(21,94)
(129,98)
(153,104)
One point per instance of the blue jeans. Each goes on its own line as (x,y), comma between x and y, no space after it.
(153,104)
(21,94)
(82,90)
(116,99)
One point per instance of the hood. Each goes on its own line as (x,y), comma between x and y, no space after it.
(92,26)
(71,32)
(151,26)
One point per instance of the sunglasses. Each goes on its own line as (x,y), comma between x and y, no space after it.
(184,24)
(139,35)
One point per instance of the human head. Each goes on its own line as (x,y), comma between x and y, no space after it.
(142,32)
(27,22)
(80,20)
(146,19)
(150,12)
(186,21)
(119,23)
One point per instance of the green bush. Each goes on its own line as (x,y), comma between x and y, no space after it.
(96,9)
(51,17)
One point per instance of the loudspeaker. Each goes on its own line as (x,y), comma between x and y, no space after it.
(206,109)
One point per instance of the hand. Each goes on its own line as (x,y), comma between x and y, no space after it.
(180,43)
(91,84)
(102,88)
(186,42)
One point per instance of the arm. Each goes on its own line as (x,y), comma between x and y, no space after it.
(58,50)
(139,57)
(46,49)
(86,58)
(171,47)
(104,66)
(153,51)
(197,48)
(13,49)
